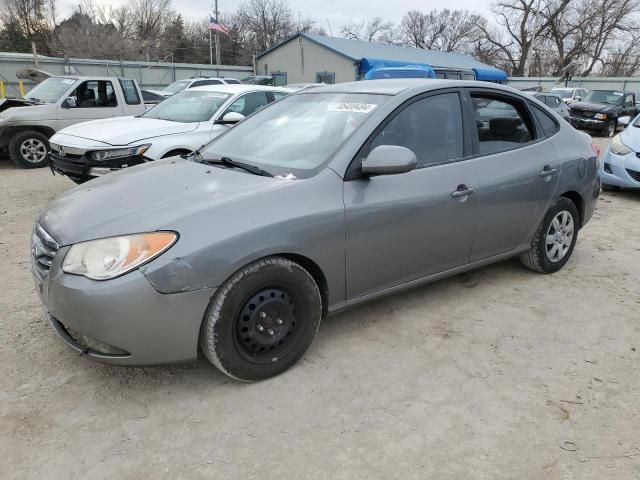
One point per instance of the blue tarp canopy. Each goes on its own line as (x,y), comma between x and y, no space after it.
(367,64)
(490,74)
(407,71)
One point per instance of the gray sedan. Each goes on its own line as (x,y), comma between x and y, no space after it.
(326,199)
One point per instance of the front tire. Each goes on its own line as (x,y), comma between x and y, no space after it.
(610,129)
(262,320)
(29,149)
(555,239)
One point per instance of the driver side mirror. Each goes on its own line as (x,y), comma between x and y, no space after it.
(624,121)
(69,102)
(389,160)
(577,98)
(231,118)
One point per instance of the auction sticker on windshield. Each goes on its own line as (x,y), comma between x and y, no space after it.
(351,107)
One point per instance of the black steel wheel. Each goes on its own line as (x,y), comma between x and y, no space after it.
(262,319)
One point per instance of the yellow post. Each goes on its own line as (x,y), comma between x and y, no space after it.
(2,92)
(21,87)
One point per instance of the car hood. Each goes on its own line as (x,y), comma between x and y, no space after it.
(148,197)
(126,130)
(593,107)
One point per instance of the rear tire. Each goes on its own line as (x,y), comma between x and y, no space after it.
(555,239)
(29,149)
(262,320)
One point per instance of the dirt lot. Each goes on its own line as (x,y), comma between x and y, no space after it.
(496,374)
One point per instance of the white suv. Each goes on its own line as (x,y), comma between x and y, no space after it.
(180,85)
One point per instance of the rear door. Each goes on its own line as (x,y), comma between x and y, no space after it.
(517,170)
(408,226)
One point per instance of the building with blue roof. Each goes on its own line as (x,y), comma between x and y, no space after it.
(306,57)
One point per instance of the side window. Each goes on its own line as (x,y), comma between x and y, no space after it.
(130,91)
(95,93)
(430,127)
(548,124)
(503,123)
(279,95)
(629,101)
(202,83)
(249,103)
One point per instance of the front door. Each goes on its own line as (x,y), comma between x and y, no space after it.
(95,99)
(404,227)
(517,169)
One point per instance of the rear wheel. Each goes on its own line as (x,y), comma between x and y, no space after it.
(29,149)
(555,238)
(262,320)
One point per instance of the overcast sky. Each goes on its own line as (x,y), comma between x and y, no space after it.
(337,12)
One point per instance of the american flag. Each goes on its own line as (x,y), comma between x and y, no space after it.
(217,26)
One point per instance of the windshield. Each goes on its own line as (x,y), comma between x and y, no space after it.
(610,97)
(51,90)
(188,106)
(296,135)
(561,93)
(176,87)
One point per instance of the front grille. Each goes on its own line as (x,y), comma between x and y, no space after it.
(43,251)
(634,174)
(73,166)
(582,113)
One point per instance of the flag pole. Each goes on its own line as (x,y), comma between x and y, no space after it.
(217,42)
(210,49)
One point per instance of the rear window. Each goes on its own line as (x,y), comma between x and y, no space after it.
(548,124)
(130,91)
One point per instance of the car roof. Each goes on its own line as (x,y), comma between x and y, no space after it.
(234,88)
(395,86)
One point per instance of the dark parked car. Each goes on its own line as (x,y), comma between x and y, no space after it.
(599,110)
(321,201)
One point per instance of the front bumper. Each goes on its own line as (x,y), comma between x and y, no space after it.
(588,123)
(620,170)
(80,168)
(123,321)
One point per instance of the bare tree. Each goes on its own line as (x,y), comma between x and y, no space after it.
(522,22)
(446,30)
(264,23)
(28,21)
(374,30)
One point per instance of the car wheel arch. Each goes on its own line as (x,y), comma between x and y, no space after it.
(578,201)
(175,152)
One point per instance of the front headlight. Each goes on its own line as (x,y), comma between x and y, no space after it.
(618,147)
(120,152)
(111,257)
(600,116)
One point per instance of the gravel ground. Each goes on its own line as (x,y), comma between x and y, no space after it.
(496,374)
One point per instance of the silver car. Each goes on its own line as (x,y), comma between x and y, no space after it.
(326,199)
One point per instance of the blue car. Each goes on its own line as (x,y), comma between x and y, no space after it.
(621,161)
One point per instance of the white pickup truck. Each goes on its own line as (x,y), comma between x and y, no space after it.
(26,124)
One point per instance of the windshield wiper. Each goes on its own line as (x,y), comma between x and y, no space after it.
(226,161)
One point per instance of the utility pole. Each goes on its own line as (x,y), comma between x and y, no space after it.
(217,42)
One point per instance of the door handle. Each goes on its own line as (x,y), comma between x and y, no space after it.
(462,191)
(548,171)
